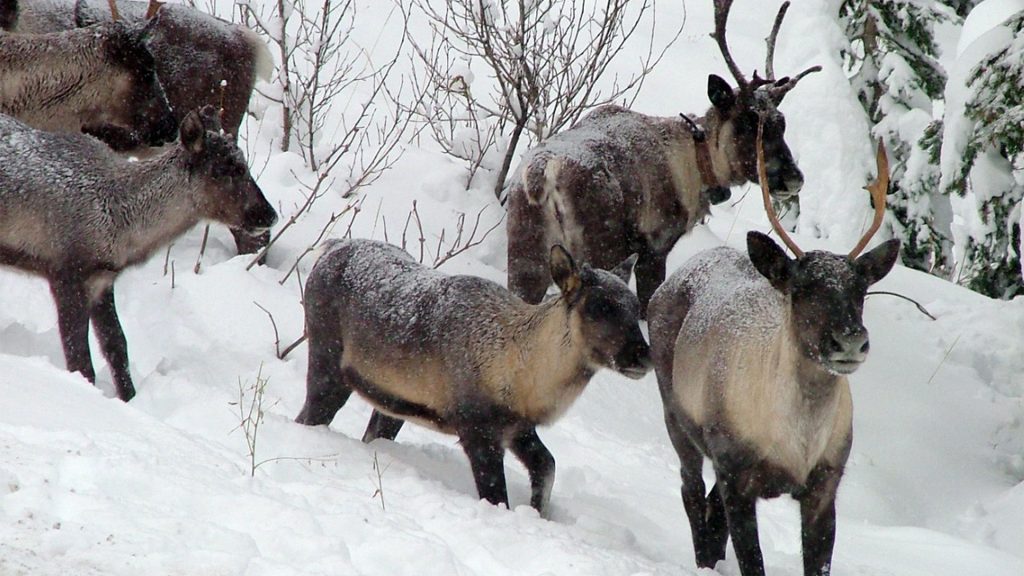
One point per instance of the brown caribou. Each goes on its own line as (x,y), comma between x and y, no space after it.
(200,59)
(620,182)
(77,214)
(752,353)
(99,80)
(461,354)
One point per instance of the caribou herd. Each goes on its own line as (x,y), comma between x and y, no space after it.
(751,350)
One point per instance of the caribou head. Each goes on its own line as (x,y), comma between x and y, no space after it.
(755,102)
(826,290)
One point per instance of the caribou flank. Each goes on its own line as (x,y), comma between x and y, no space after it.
(752,357)
(99,80)
(461,354)
(621,182)
(200,59)
(76,213)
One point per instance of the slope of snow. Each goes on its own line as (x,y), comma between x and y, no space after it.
(162,486)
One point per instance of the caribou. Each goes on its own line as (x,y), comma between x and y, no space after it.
(99,80)
(77,214)
(201,60)
(461,354)
(752,353)
(622,182)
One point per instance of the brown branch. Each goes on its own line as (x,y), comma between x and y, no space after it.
(277,337)
(920,308)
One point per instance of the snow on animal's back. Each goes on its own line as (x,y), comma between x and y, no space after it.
(34,160)
(603,137)
(726,290)
(406,303)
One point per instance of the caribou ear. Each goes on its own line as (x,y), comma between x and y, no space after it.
(770,260)
(192,133)
(564,271)
(876,263)
(625,269)
(720,93)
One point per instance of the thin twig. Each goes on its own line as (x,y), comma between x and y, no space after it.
(945,357)
(277,337)
(202,250)
(288,349)
(920,308)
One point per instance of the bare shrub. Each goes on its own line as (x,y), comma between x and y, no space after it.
(549,62)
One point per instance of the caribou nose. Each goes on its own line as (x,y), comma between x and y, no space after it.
(851,344)
(635,359)
(259,213)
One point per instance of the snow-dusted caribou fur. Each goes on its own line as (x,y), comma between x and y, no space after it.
(462,355)
(751,356)
(620,182)
(100,80)
(76,213)
(195,53)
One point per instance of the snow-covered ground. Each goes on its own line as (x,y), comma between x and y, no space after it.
(162,486)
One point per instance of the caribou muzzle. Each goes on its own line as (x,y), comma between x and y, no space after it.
(259,214)
(844,351)
(785,182)
(634,359)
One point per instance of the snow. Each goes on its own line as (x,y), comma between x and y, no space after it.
(162,485)
(984,17)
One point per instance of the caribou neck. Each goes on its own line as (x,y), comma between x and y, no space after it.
(547,362)
(725,161)
(152,202)
(695,130)
(59,77)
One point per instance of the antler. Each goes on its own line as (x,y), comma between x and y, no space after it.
(722,8)
(154,7)
(769,62)
(114,14)
(762,176)
(778,87)
(878,189)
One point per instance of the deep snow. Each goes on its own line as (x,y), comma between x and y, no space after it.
(91,486)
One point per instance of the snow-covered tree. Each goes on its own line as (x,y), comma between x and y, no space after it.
(892,62)
(987,165)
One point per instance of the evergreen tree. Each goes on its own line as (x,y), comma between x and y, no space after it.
(990,171)
(892,64)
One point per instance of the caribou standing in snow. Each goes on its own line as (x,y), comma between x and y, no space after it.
(200,59)
(620,182)
(76,213)
(462,355)
(99,80)
(752,353)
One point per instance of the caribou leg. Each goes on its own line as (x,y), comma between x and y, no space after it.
(73,322)
(486,458)
(539,463)
(650,273)
(818,519)
(382,426)
(326,388)
(112,342)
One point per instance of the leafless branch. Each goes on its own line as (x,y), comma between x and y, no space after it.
(549,60)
